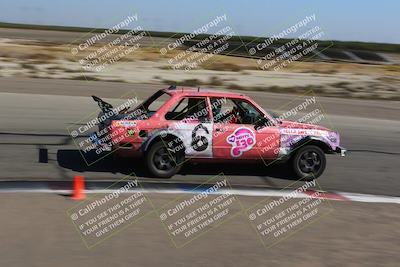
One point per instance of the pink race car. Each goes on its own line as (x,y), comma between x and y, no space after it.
(177,124)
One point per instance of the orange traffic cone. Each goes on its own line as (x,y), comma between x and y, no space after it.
(79,188)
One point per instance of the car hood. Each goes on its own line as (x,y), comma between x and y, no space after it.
(297,125)
(296,130)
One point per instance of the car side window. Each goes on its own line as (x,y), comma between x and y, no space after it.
(233,110)
(222,109)
(248,112)
(189,109)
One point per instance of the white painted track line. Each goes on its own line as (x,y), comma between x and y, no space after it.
(43,187)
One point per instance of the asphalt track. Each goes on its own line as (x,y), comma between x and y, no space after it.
(36,112)
(37,232)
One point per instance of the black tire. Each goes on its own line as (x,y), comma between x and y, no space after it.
(162,163)
(309,162)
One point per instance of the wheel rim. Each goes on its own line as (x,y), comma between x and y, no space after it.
(162,160)
(310,162)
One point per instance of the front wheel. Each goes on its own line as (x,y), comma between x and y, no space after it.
(309,162)
(161,162)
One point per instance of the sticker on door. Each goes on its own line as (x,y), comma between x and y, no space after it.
(243,139)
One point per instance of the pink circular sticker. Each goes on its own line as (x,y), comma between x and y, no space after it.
(243,139)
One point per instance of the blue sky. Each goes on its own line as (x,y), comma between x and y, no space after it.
(355,20)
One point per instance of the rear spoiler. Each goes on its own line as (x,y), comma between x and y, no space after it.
(104,106)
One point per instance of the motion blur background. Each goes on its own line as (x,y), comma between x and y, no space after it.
(45,88)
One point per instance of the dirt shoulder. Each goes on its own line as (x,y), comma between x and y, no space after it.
(35,59)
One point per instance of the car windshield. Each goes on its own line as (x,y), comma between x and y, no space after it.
(152,104)
(273,114)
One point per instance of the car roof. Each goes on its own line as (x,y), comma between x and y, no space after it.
(192,91)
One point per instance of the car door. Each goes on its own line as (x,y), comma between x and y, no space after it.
(235,136)
(191,122)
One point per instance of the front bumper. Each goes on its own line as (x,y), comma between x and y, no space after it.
(341,150)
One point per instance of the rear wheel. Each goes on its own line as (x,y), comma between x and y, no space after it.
(309,162)
(163,162)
